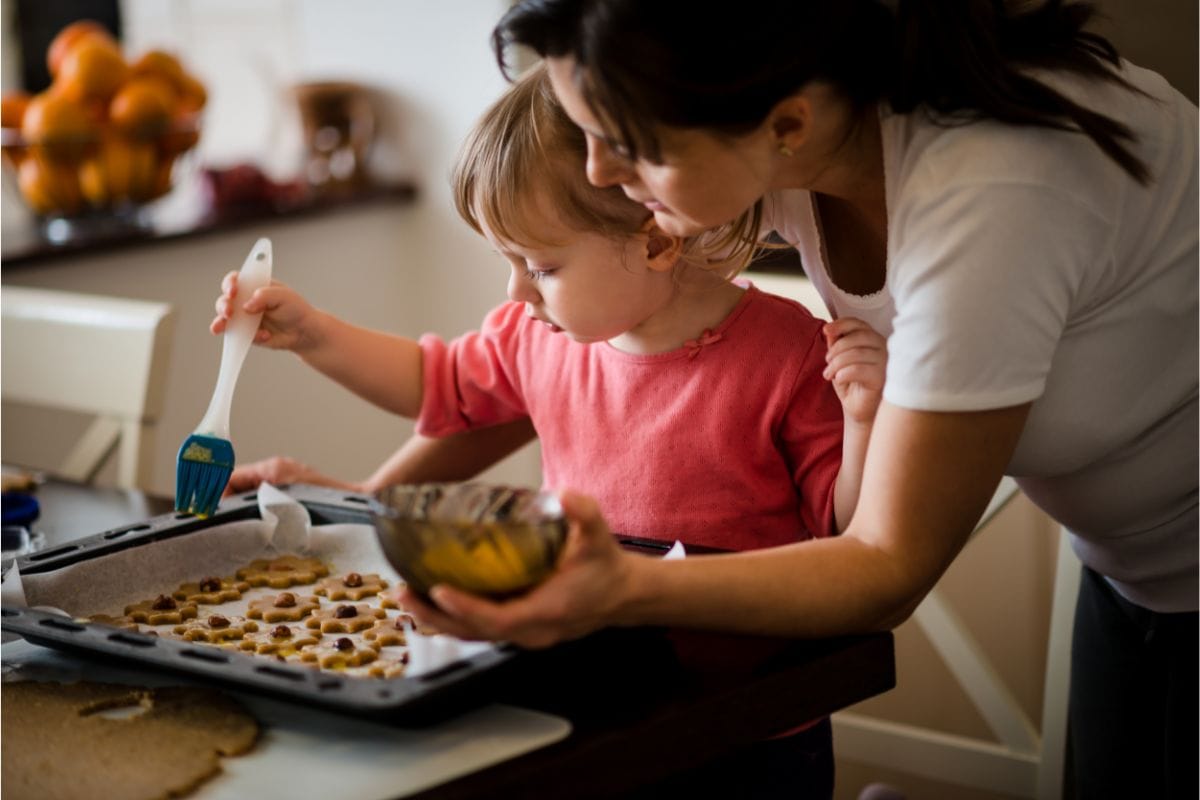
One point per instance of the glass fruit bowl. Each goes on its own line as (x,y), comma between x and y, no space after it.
(495,541)
(101,173)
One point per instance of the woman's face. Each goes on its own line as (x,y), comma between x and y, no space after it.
(703,180)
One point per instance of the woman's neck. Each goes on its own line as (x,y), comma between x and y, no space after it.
(701,301)
(850,155)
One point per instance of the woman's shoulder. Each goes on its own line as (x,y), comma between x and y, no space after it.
(924,154)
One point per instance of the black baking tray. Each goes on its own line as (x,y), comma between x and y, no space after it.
(410,701)
(416,700)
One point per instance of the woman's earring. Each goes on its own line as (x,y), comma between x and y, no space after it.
(785,151)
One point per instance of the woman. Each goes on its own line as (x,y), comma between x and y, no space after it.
(1016,208)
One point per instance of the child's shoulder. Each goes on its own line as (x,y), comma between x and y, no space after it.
(770,324)
(782,314)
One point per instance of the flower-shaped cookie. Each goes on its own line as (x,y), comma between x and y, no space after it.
(351,586)
(381,668)
(345,618)
(211,591)
(282,572)
(339,654)
(162,610)
(215,628)
(282,607)
(124,623)
(389,632)
(279,640)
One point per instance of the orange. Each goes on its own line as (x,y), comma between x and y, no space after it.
(49,188)
(159,63)
(12,108)
(118,168)
(68,37)
(93,181)
(142,164)
(162,177)
(59,127)
(181,136)
(92,70)
(142,108)
(192,94)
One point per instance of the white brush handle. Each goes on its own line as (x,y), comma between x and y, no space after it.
(239,336)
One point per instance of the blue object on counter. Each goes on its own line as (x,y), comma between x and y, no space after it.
(19,508)
(15,537)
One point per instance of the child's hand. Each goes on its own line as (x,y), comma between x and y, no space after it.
(288,321)
(280,470)
(856,364)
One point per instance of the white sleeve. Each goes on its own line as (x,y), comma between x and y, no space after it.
(984,278)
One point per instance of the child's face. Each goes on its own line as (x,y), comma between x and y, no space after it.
(587,286)
(703,182)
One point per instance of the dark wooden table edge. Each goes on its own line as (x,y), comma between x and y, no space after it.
(619,759)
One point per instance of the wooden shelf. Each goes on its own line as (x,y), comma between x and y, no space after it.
(187,212)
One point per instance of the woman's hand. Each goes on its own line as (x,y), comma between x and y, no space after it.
(583,594)
(288,321)
(279,470)
(856,364)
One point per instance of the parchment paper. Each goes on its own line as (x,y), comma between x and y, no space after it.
(107,584)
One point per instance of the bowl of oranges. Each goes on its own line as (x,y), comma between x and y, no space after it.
(109,134)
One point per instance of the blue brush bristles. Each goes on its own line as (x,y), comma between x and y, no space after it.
(201,472)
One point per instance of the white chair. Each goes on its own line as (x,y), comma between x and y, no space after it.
(101,356)
(1025,760)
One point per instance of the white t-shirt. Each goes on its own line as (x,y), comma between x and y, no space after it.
(792,213)
(1025,265)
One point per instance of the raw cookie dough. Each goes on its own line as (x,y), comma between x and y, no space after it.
(55,744)
(283,607)
(380,668)
(388,632)
(345,618)
(339,654)
(351,586)
(163,610)
(211,591)
(279,640)
(282,572)
(214,628)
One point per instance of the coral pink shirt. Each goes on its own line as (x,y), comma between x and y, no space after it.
(733,441)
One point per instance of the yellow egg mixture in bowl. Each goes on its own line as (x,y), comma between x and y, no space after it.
(496,541)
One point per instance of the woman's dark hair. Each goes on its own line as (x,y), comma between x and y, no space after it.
(695,65)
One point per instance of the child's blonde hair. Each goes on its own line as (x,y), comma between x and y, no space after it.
(526,140)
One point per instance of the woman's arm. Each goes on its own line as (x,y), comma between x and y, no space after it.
(927,480)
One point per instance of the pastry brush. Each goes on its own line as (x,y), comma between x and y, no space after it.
(205,459)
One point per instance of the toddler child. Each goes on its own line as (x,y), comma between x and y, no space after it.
(688,406)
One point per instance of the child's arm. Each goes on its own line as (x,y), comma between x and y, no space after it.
(457,457)
(856,365)
(379,367)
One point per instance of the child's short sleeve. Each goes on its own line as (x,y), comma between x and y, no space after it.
(472,381)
